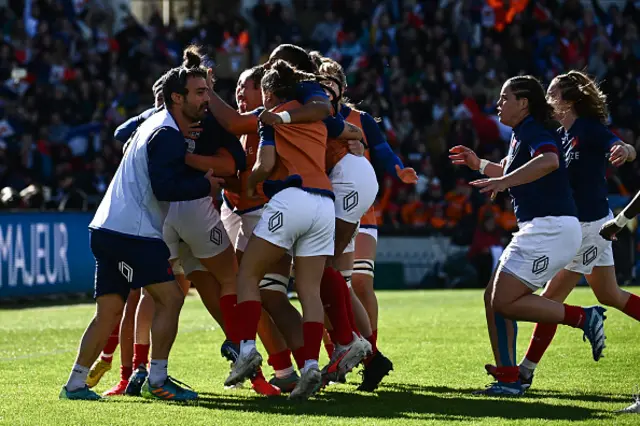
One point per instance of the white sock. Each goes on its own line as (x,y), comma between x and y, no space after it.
(78,378)
(246,346)
(529,365)
(158,372)
(309,363)
(281,374)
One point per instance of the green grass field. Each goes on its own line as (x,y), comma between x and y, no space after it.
(436,339)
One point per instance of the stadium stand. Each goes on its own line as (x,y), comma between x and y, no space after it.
(430,70)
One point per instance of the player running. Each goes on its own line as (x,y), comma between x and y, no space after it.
(376,366)
(297,218)
(549,232)
(126,234)
(581,109)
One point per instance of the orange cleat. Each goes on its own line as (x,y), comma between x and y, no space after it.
(117,389)
(262,387)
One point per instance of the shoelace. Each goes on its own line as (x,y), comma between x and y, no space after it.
(179,382)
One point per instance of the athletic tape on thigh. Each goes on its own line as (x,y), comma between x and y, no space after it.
(274,282)
(347,276)
(364,267)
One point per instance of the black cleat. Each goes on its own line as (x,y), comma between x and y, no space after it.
(373,373)
(230,351)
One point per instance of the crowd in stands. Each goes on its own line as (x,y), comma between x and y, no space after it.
(431,70)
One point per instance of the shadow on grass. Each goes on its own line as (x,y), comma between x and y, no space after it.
(533,393)
(402,401)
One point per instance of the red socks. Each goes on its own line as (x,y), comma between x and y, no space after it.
(248,314)
(632,308)
(507,374)
(112,344)
(373,339)
(574,316)
(542,336)
(349,307)
(312,332)
(299,356)
(281,360)
(329,347)
(228,305)
(332,293)
(140,355)
(125,372)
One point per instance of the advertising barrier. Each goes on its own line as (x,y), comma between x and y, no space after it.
(45,253)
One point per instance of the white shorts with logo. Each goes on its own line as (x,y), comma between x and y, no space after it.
(239,226)
(198,224)
(541,248)
(300,222)
(355,187)
(594,251)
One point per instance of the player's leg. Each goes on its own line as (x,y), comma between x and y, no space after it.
(260,254)
(363,273)
(127,330)
(277,338)
(311,251)
(142,343)
(111,290)
(104,363)
(558,289)
(536,253)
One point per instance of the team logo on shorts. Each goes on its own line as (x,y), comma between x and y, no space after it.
(126,271)
(540,265)
(275,221)
(350,201)
(216,236)
(590,255)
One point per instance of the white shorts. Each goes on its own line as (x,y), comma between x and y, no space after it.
(239,226)
(369,231)
(594,251)
(541,248)
(355,187)
(189,262)
(300,222)
(197,223)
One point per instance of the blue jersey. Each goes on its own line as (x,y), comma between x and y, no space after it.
(586,145)
(126,129)
(214,137)
(550,195)
(207,142)
(306,90)
(382,156)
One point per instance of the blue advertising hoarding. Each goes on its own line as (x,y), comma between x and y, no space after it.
(45,253)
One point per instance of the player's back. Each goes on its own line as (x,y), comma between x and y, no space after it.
(301,152)
(129,206)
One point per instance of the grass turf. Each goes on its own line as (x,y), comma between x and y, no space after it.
(436,339)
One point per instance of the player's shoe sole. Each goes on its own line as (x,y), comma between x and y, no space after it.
(99,369)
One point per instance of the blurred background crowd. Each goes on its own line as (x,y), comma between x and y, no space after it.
(431,70)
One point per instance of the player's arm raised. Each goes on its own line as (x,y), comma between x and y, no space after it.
(612,227)
(233,121)
(382,154)
(462,155)
(167,170)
